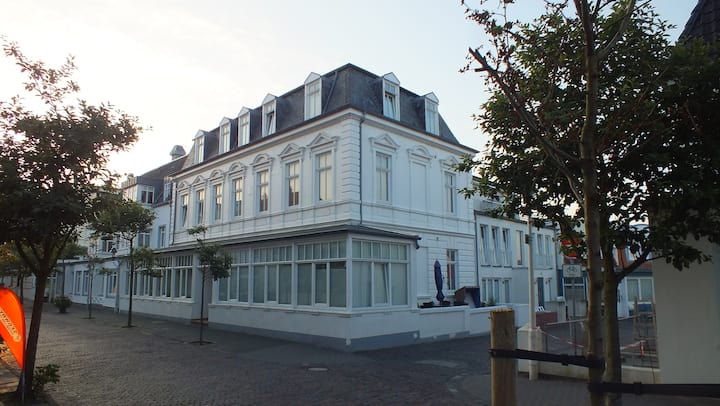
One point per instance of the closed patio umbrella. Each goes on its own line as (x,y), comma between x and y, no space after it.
(439,281)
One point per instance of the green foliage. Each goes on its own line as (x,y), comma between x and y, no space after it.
(121,217)
(44,375)
(53,164)
(62,302)
(146,261)
(213,262)
(654,149)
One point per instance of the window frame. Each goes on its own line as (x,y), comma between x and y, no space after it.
(324,186)
(244,127)
(292,183)
(262,181)
(217,202)
(313,97)
(199,206)
(391,97)
(224,136)
(269,118)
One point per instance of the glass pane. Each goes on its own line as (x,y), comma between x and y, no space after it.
(399,284)
(272,283)
(356,253)
(381,281)
(338,297)
(304,294)
(285,284)
(632,288)
(361,284)
(258,284)
(234,284)
(320,284)
(223,289)
(646,289)
(243,276)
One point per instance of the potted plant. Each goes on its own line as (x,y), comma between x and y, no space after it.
(62,303)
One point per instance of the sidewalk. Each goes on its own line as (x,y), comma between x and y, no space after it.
(157,363)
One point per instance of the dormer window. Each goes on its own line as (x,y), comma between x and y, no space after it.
(269,116)
(244,126)
(432,119)
(313,98)
(391,96)
(224,136)
(199,142)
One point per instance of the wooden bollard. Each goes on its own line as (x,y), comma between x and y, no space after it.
(503,370)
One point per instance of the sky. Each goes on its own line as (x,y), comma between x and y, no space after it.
(181,66)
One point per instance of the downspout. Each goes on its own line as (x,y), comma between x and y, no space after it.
(173,214)
(477,257)
(362,120)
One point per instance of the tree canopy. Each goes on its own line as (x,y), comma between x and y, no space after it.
(598,123)
(53,163)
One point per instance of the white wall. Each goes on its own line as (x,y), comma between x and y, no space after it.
(688,319)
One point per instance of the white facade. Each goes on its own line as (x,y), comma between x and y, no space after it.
(334,221)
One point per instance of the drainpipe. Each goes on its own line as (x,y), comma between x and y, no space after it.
(362,120)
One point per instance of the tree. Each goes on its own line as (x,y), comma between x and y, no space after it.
(52,164)
(213,264)
(596,120)
(124,219)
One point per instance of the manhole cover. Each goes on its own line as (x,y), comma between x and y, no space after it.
(317,369)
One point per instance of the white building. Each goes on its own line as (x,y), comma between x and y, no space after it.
(334,200)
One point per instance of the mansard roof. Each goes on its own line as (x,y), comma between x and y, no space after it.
(345,87)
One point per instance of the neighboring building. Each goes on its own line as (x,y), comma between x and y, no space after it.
(687,302)
(334,201)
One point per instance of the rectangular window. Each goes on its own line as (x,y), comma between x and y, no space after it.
(269,119)
(390,100)
(111,284)
(484,245)
(224,140)
(143,239)
(244,129)
(263,190)
(497,246)
(379,274)
(217,197)
(237,197)
(431,117)
(312,99)
(147,194)
(323,167)
(451,269)
(182,276)
(184,210)
(199,207)
(161,236)
(199,149)
(382,177)
(292,173)
(450,192)
(519,247)
(506,247)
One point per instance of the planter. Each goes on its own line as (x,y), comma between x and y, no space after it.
(62,303)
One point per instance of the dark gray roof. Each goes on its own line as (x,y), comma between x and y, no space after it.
(704,22)
(345,87)
(156,178)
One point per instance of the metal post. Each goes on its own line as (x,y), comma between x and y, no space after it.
(532,365)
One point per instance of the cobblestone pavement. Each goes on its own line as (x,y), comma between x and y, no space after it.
(158,363)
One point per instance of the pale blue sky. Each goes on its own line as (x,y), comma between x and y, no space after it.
(181,66)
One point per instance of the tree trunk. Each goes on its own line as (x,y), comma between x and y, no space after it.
(591,199)
(132,273)
(613,362)
(202,304)
(34,333)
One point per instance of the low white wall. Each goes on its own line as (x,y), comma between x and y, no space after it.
(371,329)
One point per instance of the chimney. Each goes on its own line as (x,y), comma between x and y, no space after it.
(177,152)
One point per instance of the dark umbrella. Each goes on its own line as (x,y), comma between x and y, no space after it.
(439,281)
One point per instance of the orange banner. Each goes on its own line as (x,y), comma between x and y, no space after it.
(12,324)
